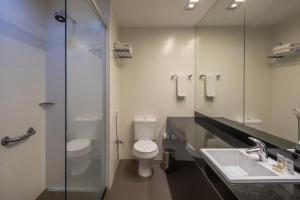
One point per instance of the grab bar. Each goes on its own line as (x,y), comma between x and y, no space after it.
(7,140)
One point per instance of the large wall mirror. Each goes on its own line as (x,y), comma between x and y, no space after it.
(272,67)
(220,61)
(248,64)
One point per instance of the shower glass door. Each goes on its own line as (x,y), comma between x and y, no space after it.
(85,145)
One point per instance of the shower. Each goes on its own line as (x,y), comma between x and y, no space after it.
(60,92)
(60,15)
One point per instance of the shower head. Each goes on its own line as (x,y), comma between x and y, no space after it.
(60,15)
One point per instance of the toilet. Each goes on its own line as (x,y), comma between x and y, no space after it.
(144,148)
(85,130)
(253,123)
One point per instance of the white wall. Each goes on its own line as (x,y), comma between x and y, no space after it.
(114,97)
(22,78)
(220,50)
(146,85)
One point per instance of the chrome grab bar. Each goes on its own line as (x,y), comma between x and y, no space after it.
(7,140)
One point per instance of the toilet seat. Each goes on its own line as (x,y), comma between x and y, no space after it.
(78,147)
(145,149)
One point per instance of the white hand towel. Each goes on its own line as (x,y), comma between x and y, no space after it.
(210,85)
(181,86)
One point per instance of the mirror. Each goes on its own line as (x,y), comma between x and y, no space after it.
(272,66)
(220,61)
(248,64)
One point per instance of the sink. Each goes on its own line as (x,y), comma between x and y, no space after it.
(239,167)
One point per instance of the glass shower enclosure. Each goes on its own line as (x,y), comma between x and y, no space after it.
(52,100)
(85,100)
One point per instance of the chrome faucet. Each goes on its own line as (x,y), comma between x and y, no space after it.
(260,149)
(297,113)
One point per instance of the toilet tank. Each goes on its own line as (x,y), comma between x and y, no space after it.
(144,128)
(253,123)
(86,127)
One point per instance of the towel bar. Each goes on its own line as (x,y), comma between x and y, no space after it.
(174,76)
(201,76)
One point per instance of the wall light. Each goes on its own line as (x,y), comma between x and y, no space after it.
(197,1)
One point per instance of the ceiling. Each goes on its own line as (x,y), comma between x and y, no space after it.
(158,13)
(171,13)
(257,13)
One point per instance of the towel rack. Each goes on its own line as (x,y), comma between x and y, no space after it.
(203,76)
(174,76)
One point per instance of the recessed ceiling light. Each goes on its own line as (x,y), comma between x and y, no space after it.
(234,5)
(191,5)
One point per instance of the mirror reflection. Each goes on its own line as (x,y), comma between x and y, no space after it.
(272,67)
(247,65)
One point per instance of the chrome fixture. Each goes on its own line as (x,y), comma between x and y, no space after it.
(46,104)
(118,141)
(203,76)
(260,149)
(122,50)
(174,76)
(60,15)
(7,140)
(297,112)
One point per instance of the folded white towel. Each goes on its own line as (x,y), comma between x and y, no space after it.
(285,46)
(283,51)
(210,85)
(181,86)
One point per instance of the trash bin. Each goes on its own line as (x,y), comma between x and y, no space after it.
(168,161)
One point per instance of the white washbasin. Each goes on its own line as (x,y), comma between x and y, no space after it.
(239,167)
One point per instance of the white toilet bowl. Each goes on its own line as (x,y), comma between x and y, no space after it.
(78,154)
(145,151)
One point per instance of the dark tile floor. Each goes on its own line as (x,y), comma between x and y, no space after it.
(53,195)
(181,184)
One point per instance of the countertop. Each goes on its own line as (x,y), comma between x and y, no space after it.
(200,134)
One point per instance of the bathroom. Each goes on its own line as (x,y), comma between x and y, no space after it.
(161,99)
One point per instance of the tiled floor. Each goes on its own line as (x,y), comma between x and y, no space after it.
(181,184)
(53,195)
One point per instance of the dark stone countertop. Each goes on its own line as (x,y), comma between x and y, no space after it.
(202,134)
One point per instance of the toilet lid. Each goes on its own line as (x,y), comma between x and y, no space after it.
(77,145)
(145,146)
